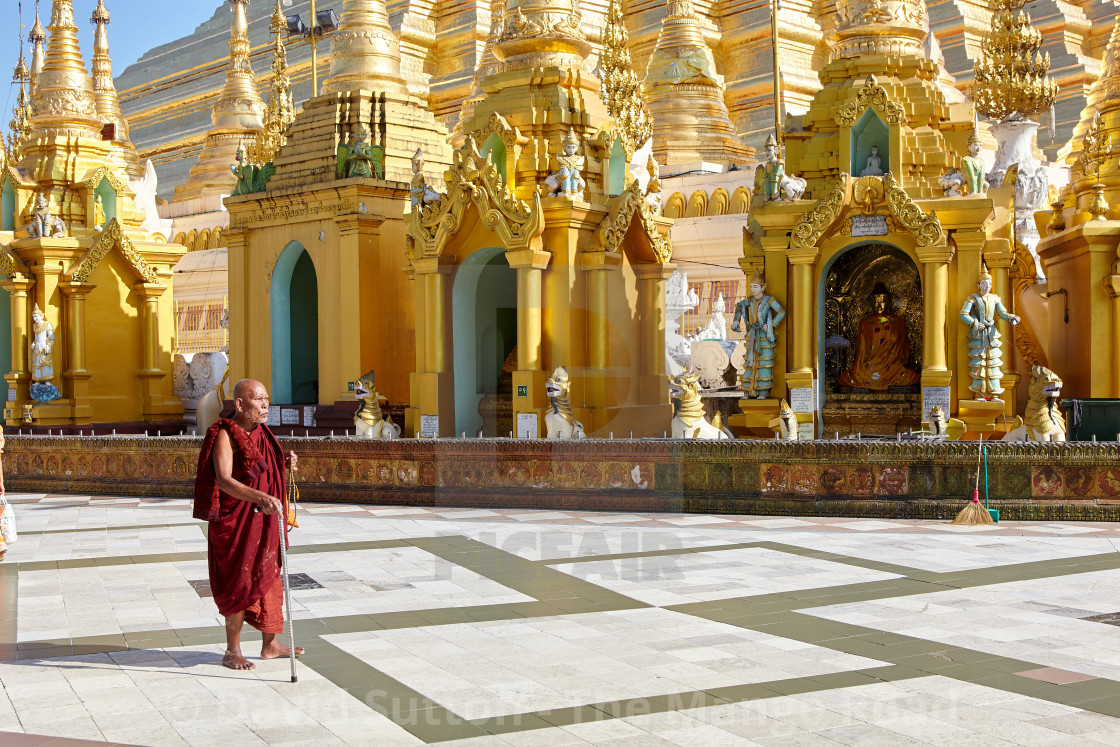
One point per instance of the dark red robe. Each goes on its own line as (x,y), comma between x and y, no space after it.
(242,544)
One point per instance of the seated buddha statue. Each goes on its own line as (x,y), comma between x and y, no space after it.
(874,165)
(882,348)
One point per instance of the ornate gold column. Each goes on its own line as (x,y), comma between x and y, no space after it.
(76,375)
(435,388)
(801,365)
(935,310)
(528,379)
(151,374)
(1112,287)
(19,378)
(652,385)
(598,390)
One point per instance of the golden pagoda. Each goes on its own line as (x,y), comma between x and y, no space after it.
(327,228)
(1080,253)
(875,242)
(237,118)
(684,94)
(539,253)
(74,259)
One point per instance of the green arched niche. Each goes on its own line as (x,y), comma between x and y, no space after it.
(294,312)
(870,131)
(616,169)
(497,150)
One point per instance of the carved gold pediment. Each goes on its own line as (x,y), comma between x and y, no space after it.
(615,226)
(93,181)
(498,125)
(871,195)
(473,179)
(872,95)
(111,236)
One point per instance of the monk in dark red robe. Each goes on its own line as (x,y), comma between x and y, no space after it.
(240,490)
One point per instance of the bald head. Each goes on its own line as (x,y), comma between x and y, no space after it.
(250,403)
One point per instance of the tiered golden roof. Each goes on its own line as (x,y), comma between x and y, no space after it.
(1092,155)
(1011,76)
(281,110)
(621,90)
(63,102)
(487,64)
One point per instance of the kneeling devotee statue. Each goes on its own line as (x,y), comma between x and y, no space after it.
(882,348)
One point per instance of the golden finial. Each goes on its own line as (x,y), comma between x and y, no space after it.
(621,91)
(100,13)
(21,121)
(37,37)
(1010,77)
(280,112)
(63,101)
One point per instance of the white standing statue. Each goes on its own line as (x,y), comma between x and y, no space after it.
(42,347)
(567,180)
(985,358)
(420,192)
(679,299)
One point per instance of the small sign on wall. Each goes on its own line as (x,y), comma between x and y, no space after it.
(526,425)
(869,225)
(804,431)
(273,416)
(309,417)
(935,396)
(11,395)
(523,390)
(801,399)
(429,426)
(289,416)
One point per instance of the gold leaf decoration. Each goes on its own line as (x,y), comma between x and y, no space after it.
(874,96)
(112,236)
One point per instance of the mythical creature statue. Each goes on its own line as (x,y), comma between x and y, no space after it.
(560,423)
(368,420)
(973,166)
(1043,419)
(786,423)
(771,179)
(761,314)
(952,182)
(45,224)
(250,178)
(942,428)
(568,180)
(985,359)
(420,192)
(359,158)
(689,421)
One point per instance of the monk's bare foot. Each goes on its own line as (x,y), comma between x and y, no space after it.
(234,660)
(277,650)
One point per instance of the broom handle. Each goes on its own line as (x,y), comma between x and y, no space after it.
(978,455)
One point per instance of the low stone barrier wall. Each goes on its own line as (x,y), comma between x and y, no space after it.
(826,478)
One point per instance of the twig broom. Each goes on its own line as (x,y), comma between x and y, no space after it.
(975,513)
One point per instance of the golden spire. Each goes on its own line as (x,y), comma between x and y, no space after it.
(684,94)
(237,117)
(37,37)
(240,106)
(281,111)
(63,98)
(487,64)
(21,121)
(365,53)
(1010,77)
(105,93)
(621,91)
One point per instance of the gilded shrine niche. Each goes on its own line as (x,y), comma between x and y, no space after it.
(872,348)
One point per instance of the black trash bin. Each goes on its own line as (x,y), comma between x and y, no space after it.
(1086,418)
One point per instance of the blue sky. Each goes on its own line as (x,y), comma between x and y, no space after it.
(138,25)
